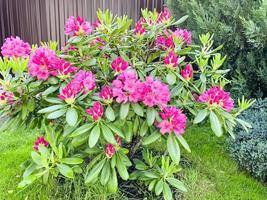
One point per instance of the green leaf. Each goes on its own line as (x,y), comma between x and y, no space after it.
(151,115)
(51,108)
(94,136)
(177,184)
(124,110)
(167,193)
(171,78)
(116,130)
(65,170)
(122,169)
(71,116)
(79,140)
(36,158)
(56,114)
(72,161)
(50,90)
(200,116)
(94,171)
(183,143)
(143,129)
(215,124)
(109,113)
(181,20)
(173,149)
(151,138)
(159,187)
(138,109)
(84,128)
(108,135)
(105,174)
(113,182)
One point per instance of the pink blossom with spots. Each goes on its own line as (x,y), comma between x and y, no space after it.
(41,63)
(164,16)
(85,80)
(69,93)
(171,60)
(187,72)
(6,97)
(96,111)
(216,96)
(40,141)
(62,68)
(77,26)
(173,120)
(127,88)
(139,28)
(184,34)
(119,65)
(106,93)
(110,151)
(15,47)
(154,92)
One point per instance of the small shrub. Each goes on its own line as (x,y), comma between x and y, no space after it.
(250,149)
(109,94)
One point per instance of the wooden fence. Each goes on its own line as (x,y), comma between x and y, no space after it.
(43,20)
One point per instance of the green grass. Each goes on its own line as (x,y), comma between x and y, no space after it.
(209,172)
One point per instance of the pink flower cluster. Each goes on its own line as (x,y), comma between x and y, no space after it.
(77,26)
(6,97)
(126,87)
(83,81)
(62,69)
(119,65)
(139,28)
(171,60)
(41,63)
(106,93)
(173,120)
(96,111)
(44,63)
(216,96)
(69,93)
(152,92)
(164,16)
(40,141)
(155,93)
(166,41)
(184,34)
(187,72)
(15,47)
(96,24)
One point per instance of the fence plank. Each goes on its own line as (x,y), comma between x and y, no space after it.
(35,20)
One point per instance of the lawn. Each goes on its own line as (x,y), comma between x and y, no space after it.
(209,172)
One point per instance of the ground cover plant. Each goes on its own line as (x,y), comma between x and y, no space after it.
(103,100)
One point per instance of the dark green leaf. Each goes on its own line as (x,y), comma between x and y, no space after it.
(150,114)
(173,149)
(65,170)
(200,116)
(178,184)
(72,161)
(159,187)
(108,135)
(138,109)
(151,138)
(71,116)
(215,124)
(183,142)
(94,171)
(109,113)
(124,110)
(51,108)
(56,114)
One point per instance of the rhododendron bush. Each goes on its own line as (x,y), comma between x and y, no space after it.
(101,101)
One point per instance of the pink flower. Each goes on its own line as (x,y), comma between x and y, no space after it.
(85,80)
(165,42)
(77,26)
(40,141)
(15,47)
(184,34)
(41,63)
(106,93)
(154,93)
(119,65)
(164,16)
(173,120)
(126,87)
(187,72)
(139,28)
(216,96)
(6,97)
(69,93)
(110,150)
(62,69)
(96,111)
(171,60)
(96,24)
